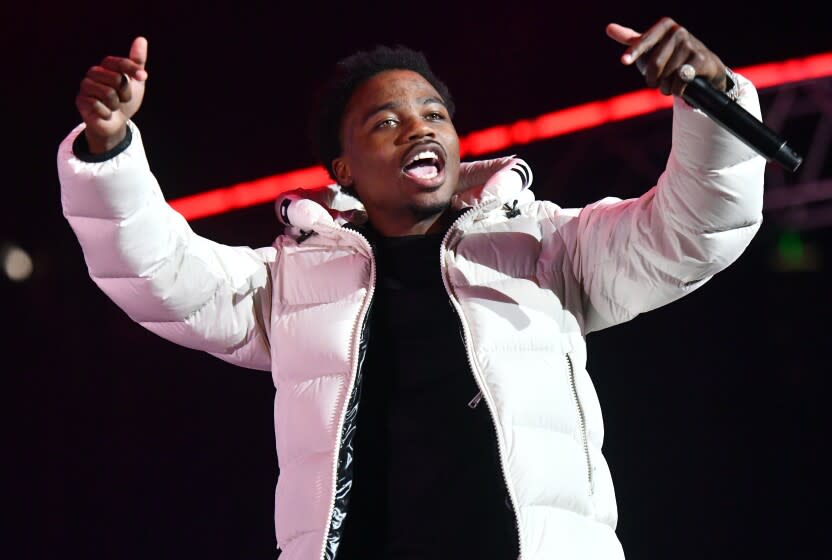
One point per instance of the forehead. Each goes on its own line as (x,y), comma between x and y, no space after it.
(389,86)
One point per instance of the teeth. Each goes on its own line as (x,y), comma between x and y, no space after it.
(427,154)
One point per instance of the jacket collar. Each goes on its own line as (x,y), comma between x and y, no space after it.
(486,185)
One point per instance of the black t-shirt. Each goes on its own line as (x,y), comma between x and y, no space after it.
(427,482)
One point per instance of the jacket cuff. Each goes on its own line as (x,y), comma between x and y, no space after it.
(701,143)
(81,149)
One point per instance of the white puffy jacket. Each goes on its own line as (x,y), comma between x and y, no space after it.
(527,287)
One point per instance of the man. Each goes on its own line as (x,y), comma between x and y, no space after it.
(407,427)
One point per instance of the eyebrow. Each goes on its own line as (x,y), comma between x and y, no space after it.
(392,105)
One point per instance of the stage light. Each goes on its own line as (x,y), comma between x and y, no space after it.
(17,264)
(794,255)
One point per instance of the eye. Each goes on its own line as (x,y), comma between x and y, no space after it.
(435,116)
(387,123)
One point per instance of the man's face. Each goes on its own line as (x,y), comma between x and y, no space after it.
(400,148)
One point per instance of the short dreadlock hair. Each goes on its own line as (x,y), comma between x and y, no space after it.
(348,75)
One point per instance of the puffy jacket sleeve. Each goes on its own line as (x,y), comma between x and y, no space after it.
(145,257)
(635,255)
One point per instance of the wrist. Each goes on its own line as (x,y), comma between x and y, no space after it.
(97,144)
(82,150)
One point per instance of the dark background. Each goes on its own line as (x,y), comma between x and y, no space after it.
(119,444)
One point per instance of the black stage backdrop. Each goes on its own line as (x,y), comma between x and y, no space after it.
(117,444)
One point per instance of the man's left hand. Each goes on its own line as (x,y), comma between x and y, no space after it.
(662,50)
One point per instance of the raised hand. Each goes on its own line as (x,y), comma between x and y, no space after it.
(660,51)
(110,94)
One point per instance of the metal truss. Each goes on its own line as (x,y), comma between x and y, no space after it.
(802,200)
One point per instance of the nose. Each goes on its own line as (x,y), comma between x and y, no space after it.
(417,128)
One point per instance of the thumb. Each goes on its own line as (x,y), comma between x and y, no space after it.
(623,35)
(138,54)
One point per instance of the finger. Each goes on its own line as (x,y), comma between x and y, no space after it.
(666,86)
(648,40)
(125,90)
(123,65)
(104,76)
(105,94)
(90,107)
(119,82)
(621,34)
(656,60)
(138,54)
(682,55)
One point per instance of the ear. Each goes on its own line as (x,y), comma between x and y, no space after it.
(342,171)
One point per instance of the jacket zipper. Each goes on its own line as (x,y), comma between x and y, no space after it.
(473,403)
(355,336)
(472,364)
(581,421)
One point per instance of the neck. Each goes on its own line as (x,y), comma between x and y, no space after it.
(412,224)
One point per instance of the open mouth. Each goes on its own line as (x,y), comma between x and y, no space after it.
(425,164)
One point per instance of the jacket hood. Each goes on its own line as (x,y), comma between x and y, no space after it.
(484,182)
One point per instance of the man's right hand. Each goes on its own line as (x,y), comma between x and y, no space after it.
(110,94)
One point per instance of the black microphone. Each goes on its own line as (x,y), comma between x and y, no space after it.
(732,117)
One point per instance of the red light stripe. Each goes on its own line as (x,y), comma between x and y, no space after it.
(788,71)
(242,195)
(496,138)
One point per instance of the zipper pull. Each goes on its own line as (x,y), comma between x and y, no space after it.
(511,211)
(305,234)
(472,404)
